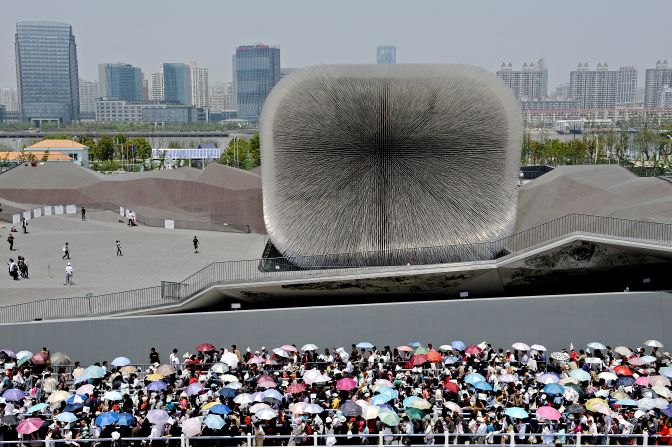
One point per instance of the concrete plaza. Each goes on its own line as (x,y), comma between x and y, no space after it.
(150,255)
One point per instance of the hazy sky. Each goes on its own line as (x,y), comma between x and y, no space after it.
(485,33)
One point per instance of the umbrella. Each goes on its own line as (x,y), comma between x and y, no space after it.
(10,419)
(126,419)
(214,422)
(220,409)
(191,427)
(39,358)
(458,345)
(420,404)
(66,417)
(23,360)
(472,350)
(571,394)
(420,350)
(281,352)
(346,384)
(540,348)
(82,378)
(205,347)
(73,407)
(451,359)
(128,369)
(76,399)
(415,344)
(388,417)
(483,386)
(653,343)
(548,413)
(666,371)
(648,359)
(414,413)
(313,409)
(641,381)
(121,361)
(289,348)
(309,347)
(29,426)
(594,404)
(230,359)
(271,395)
(22,354)
(607,375)
(580,375)
(165,370)
(13,394)
(405,348)
(312,375)
(108,418)
(560,356)
(256,359)
(592,360)
(659,381)
(516,413)
(434,357)
(370,412)
(258,407)
(636,361)
(194,388)
(296,388)
(208,406)
(473,378)
(94,372)
(36,407)
(58,396)
(112,395)
(646,404)
(243,399)
(596,345)
(60,359)
(623,351)
(575,409)
(350,408)
(548,377)
(419,359)
(625,381)
(626,403)
(227,392)
(228,378)
(554,389)
(157,417)
(380,399)
(623,371)
(519,346)
(157,385)
(668,411)
(451,386)
(364,345)
(219,368)
(508,378)
(85,389)
(266,414)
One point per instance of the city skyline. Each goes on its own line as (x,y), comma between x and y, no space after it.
(518,34)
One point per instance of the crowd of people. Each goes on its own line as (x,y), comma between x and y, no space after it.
(410,394)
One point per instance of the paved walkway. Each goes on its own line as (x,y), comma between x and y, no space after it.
(150,255)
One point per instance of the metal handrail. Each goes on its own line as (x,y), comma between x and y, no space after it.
(237,272)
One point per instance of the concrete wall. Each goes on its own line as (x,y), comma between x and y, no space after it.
(555,321)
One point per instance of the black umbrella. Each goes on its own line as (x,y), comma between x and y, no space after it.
(575,409)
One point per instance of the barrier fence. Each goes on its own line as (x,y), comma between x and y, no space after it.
(335,265)
(381,439)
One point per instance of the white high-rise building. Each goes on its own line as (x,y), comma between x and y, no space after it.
(594,89)
(626,85)
(221,97)
(529,83)
(655,82)
(9,99)
(156,94)
(88,93)
(199,85)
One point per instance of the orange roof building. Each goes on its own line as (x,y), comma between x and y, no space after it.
(16,156)
(77,153)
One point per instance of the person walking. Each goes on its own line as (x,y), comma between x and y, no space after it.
(10,239)
(13,269)
(24,224)
(66,251)
(68,274)
(119,253)
(195,241)
(83,213)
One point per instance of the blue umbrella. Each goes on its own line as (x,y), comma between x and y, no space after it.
(107,418)
(95,372)
(83,378)
(35,408)
(364,345)
(458,345)
(14,394)
(483,386)
(474,378)
(126,419)
(380,399)
(73,407)
(219,409)
(157,385)
(625,381)
(554,389)
(451,359)
(415,344)
(213,421)
(516,413)
(66,417)
(227,392)
(390,392)
(76,399)
(121,361)
(409,400)
(667,411)
(626,403)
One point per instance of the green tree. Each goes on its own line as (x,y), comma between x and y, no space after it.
(143,150)
(45,156)
(104,148)
(241,153)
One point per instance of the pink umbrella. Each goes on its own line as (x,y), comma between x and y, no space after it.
(256,359)
(85,389)
(288,348)
(346,384)
(29,426)
(405,348)
(548,413)
(295,388)
(267,384)
(636,361)
(642,381)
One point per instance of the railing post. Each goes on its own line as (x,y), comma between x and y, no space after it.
(249,439)
(645,438)
(513,440)
(314,438)
(380,439)
(183,440)
(578,440)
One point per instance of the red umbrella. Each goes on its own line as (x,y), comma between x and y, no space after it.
(39,358)
(623,371)
(346,384)
(418,360)
(434,357)
(451,386)
(472,350)
(295,388)
(205,347)
(29,426)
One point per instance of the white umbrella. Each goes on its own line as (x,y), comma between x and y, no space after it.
(191,427)
(58,396)
(112,395)
(313,408)
(653,343)
(593,360)
(258,407)
(445,348)
(662,391)
(607,375)
(659,381)
(520,346)
(234,385)
(660,403)
(540,348)
(243,399)
(266,414)
(623,351)
(230,359)
(370,412)
(157,417)
(452,406)
(219,368)
(646,404)
(281,352)
(309,347)
(596,345)
(311,376)
(227,378)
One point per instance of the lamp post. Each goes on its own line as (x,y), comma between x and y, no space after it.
(18,141)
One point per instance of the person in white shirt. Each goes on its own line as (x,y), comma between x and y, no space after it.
(68,274)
